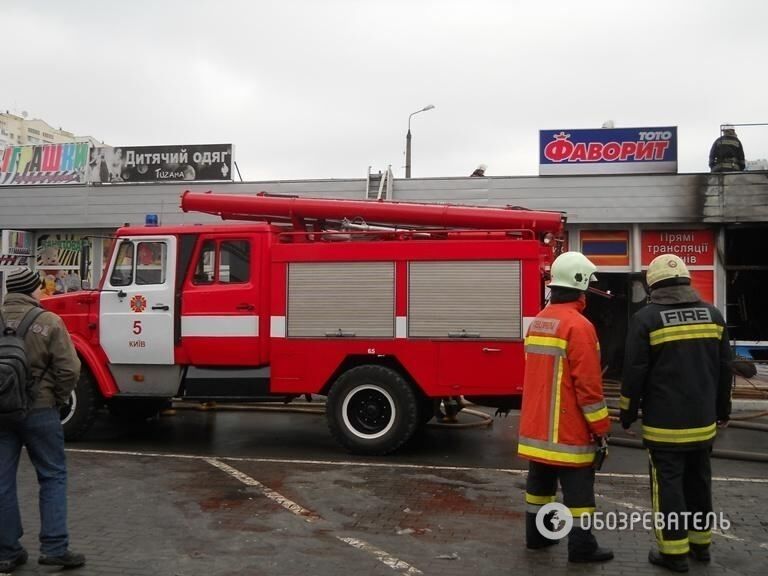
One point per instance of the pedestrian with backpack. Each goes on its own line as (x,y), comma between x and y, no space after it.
(38,371)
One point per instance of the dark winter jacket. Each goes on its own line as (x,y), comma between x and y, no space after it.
(727,154)
(52,357)
(677,369)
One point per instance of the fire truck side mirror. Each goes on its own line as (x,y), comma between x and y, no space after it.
(85,261)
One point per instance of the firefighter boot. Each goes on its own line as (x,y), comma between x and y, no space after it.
(535,540)
(583,547)
(700,552)
(673,562)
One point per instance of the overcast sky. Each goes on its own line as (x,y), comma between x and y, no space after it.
(323,88)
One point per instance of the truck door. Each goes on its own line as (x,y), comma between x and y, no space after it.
(473,310)
(221,301)
(137,302)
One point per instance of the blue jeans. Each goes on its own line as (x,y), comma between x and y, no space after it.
(42,434)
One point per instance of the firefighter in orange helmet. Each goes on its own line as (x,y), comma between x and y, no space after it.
(564,417)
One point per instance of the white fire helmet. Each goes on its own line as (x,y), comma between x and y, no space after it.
(572,270)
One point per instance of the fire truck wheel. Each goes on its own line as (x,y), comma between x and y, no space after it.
(372,410)
(78,414)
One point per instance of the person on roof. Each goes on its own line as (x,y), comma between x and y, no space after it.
(727,153)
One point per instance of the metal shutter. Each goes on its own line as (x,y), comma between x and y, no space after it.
(480,298)
(349,298)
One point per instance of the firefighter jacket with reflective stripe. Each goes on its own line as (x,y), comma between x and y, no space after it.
(726,155)
(677,369)
(563,403)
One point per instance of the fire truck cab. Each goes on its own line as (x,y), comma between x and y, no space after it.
(381,320)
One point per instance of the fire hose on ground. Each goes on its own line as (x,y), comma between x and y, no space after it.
(484,420)
(716,452)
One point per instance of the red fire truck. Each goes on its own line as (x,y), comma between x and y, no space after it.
(382,307)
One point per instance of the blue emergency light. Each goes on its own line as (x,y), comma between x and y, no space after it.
(151,220)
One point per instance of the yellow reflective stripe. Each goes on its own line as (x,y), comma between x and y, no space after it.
(674,546)
(578,512)
(624,402)
(538,500)
(685,332)
(593,407)
(595,411)
(595,416)
(708,335)
(655,497)
(547,341)
(701,538)
(546,445)
(556,419)
(679,436)
(679,431)
(665,546)
(555,456)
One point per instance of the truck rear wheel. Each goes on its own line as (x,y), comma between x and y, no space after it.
(79,413)
(372,410)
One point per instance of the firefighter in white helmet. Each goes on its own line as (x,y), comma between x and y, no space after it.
(677,369)
(564,416)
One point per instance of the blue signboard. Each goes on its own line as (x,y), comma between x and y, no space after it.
(608,151)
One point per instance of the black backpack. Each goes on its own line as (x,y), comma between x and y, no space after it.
(17,387)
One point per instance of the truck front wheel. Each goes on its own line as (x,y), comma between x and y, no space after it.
(78,414)
(372,410)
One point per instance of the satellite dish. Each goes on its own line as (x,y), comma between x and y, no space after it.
(25,113)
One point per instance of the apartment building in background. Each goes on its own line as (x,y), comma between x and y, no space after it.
(21,131)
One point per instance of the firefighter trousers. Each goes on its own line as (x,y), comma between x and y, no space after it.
(578,485)
(681,494)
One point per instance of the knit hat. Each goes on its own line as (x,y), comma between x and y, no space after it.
(22,281)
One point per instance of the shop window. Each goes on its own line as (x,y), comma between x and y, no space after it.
(57,259)
(606,247)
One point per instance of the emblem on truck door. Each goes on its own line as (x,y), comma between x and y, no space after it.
(138,303)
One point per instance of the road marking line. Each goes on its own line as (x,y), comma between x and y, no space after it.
(376,464)
(286,503)
(309,516)
(382,556)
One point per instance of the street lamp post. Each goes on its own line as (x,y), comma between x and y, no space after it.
(408,141)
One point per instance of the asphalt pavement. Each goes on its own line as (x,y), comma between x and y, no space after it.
(250,492)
